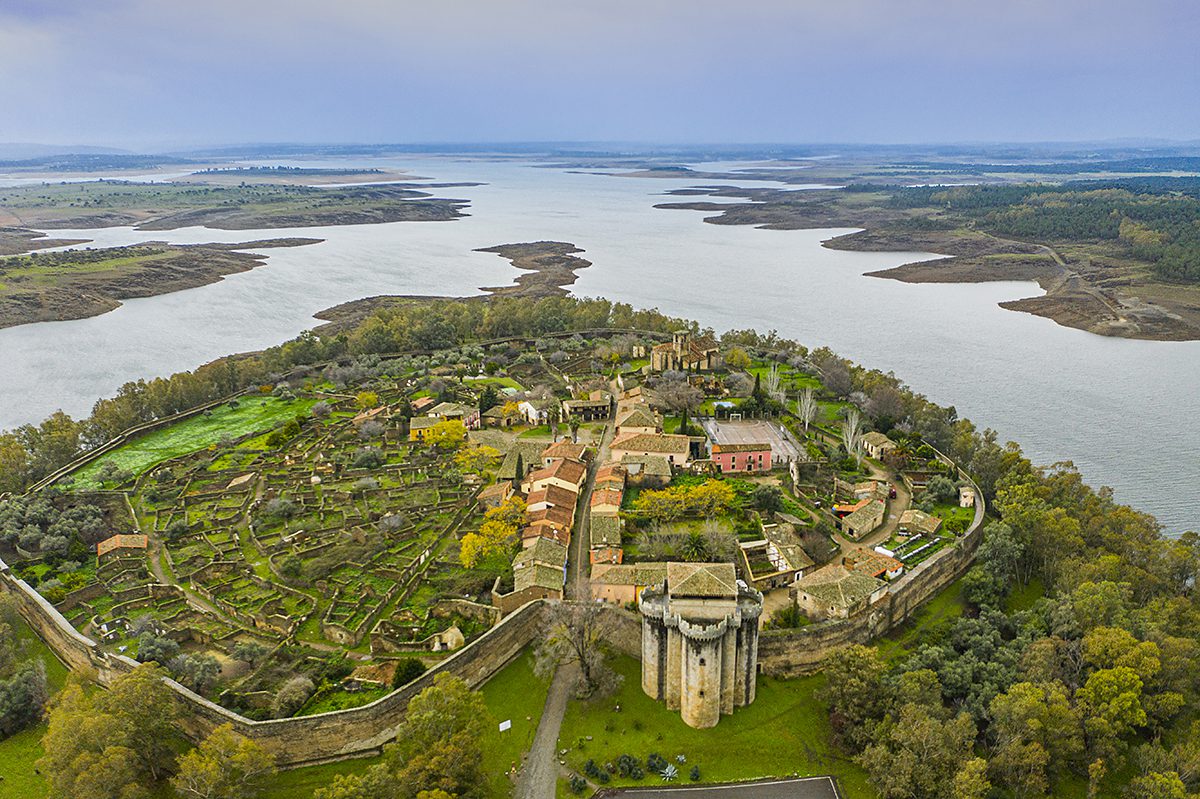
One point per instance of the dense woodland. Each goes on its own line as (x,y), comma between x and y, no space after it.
(1154,219)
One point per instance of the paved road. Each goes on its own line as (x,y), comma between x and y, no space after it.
(578,584)
(809,788)
(539,776)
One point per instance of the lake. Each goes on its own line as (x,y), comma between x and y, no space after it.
(1124,411)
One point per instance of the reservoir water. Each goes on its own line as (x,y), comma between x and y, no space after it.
(1124,411)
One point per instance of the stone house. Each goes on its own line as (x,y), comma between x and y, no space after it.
(638,419)
(676,449)
(648,471)
(623,583)
(776,560)
(966,496)
(120,545)
(564,473)
(877,444)
(873,563)
(496,494)
(835,592)
(598,406)
(865,520)
(915,521)
(565,449)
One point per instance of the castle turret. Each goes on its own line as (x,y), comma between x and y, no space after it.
(700,641)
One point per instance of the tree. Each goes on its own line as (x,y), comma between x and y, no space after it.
(224,766)
(971,781)
(678,394)
(111,744)
(1034,723)
(852,434)
(292,696)
(807,407)
(574,637)
(917,755)
(1111,704)
(407,670)
(488,398)
(366,400)
(494,541)
(23,695)
(768,498)
(448,434)
(736,358)
(1157,786)
(477,459)
(856,698)
(775,384)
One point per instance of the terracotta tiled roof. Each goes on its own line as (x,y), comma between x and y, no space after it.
(837,586)
(556,515)
(499,489)
(565,449)
(637,416)
(871,563)
(639,574)
(120,542)
(553,495)
(607,496)
(741,448)
(563,469)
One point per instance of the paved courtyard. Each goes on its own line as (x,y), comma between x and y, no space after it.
(809,788)
(754,431)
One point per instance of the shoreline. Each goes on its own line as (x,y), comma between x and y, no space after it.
(971,256)
(164,269)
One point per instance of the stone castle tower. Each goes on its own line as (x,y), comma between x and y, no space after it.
(700,641)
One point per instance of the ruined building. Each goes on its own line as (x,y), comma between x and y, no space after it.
(700,641)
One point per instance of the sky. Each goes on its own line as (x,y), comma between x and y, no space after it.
(172,73)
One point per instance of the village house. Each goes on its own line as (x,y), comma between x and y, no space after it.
(734,458)
(545,527)
(420,426)
(536,412)
(120,545)
(605,536)
(568,450)
(835,592)
(497,416)
(638,419)
(775,561)
(564,473)
(873,563)
(622,584)
(522,455)
(597,406)
(549,496)
(877,444)
(686,354)
(865,520)
(496,494)
(610,475)
(539,572)
(606,501)
(647,471)
(919,522)
(676,449)
(966,496)
(420,404)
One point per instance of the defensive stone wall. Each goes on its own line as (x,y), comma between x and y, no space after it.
(784,653)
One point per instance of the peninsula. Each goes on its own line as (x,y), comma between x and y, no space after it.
(75,284)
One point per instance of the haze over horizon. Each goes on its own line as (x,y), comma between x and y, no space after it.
(145,75)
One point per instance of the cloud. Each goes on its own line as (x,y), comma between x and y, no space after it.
(228,70)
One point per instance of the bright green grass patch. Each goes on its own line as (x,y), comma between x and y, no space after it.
(1024,597)
(515,694)
(784,732)
(925,624)
(301,782)
(196,433)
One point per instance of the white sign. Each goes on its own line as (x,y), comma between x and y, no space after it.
(506,725)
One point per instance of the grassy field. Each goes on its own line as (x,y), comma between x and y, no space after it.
(515,694)
(941,611)
(251,414)
(19,752)
(785,732)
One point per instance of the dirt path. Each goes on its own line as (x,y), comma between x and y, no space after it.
(539,777)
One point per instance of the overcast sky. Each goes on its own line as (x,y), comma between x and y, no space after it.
(150,73)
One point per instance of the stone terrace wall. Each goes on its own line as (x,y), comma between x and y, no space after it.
(294,741)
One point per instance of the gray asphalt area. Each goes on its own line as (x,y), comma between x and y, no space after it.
(807,788)
(754,431)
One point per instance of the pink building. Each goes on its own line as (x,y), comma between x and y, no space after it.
(742,457)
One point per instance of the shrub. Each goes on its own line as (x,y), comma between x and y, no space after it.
(407,670)
(367,458)
(292,696)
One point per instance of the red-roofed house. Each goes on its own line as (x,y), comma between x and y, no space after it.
(120,545)
(564,473)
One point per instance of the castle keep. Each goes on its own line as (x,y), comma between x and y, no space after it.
(700,641)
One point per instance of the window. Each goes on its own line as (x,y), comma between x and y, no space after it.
(701,661)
